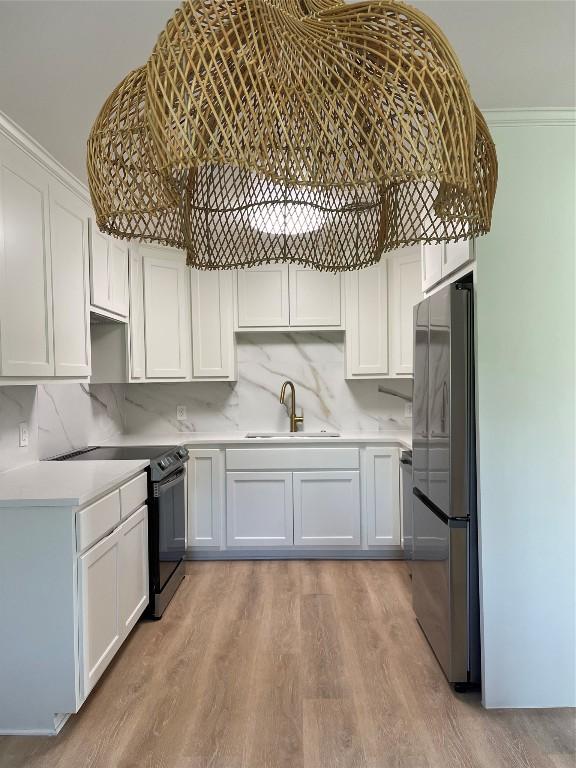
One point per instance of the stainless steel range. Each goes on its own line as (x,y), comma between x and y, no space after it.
(166,512)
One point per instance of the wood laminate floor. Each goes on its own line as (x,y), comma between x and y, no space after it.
(290,664)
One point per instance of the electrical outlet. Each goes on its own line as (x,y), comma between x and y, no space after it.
(181,414)
(24,436)
(407,409)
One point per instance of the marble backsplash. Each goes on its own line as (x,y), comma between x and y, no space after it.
(63,417)
(71,416)
(17,404)
(313,361)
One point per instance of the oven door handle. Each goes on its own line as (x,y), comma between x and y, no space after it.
(169,482)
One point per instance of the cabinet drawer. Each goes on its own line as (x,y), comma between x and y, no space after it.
(94,521)
(292,458)
(133,495)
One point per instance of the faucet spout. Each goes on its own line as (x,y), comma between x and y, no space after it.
(294,420)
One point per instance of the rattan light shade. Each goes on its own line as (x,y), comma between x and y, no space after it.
(277,130)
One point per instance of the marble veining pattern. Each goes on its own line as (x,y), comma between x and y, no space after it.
(71,416)
(314,362)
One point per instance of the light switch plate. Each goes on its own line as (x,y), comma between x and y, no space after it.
(181,414)
(23,434)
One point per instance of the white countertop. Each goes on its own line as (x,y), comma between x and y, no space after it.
(64,483)
(402,438)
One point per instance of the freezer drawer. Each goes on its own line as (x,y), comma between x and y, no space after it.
(440,587)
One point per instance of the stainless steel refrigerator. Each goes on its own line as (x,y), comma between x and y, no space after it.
(445,548)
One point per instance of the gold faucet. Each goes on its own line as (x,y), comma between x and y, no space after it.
(294,420)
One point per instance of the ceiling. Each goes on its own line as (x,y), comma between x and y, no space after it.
(59,60)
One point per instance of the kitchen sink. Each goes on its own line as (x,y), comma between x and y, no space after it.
(277,435)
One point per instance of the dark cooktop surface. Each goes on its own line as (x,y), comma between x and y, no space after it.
(122,452)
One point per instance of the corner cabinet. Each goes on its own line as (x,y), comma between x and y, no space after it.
(44,320)
(288,297)
(379,308)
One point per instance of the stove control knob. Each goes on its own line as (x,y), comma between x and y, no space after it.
(182,452)
(163,463)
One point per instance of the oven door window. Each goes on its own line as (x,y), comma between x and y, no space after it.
(171,525)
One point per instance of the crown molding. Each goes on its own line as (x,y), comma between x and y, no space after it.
(529,117)
(18,135)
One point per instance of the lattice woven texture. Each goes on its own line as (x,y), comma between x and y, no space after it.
(321,133)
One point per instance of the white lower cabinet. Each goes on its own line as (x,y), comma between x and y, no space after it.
(382,495)
(113,581)
(259,509)
(326,508)
(101,630)
(134,586)
(205,470)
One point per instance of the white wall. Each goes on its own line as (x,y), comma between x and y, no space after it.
(526,390)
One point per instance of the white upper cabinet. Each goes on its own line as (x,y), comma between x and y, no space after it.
(440,261)
(25,266)
(288,296)
(166,313)
(367,322)
(456,255)
(44,302)
(137,340)
(405,293)
(108,273)
(212,312)
(432,256)
(314,297)
(263,298)
(70,282)
(119,277)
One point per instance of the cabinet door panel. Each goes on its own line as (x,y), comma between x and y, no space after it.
(259,509)
(205,497)
(405,293)
(383,496)
(213,348)
(119,277)
(263,296)
(134,585)
(367,321)
(25,268)
(101,631)
(99,267)
(432,257)
(314,297)
(456,255)
(70,282)
(326,508)
(137,344)
(166,316)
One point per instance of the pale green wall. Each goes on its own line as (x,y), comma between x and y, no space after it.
(526,396)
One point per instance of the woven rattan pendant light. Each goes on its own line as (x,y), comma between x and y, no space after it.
(310,132)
